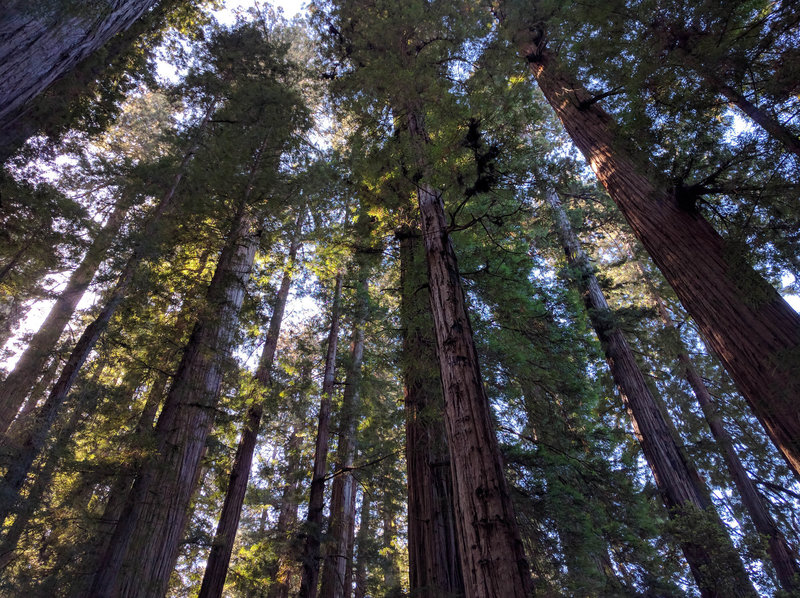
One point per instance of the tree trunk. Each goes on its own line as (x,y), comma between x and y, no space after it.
(362,539)
(434,566)
(313,532)
(783,557)
(492,556)
(712,558)
(144,546)
(222,547)
(31,443)
(342,511)
(747,324)
(38,45)
(281,571)
(22,378)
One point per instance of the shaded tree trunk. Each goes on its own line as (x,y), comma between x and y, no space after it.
(492,556)
(434,565)
(22,378)
(143,548)
(314,518)
(39,44)
(713,560)
(222,547)
(747,324)
(784,559)
(362,540)
(342,511)
(281,571)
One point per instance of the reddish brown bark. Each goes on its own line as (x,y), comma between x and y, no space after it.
(434,566)
(313,533)
(492,556)
(222,548)
(342,509)
(143,548)
(783,558)
(22,378)
(747,324)
(712,559)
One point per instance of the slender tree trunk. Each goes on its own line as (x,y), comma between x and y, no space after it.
(747,324)
(492,557)
(7,268)
(281,571)
(783,557)
(362,539)
(391,573)
(334,571)
(22,378)
(143,548)
(434,565)
(31,444)
(222,548)
(39,390)
(712,558)
(314,519)
(40,43)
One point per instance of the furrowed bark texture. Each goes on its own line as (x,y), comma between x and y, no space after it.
(314,518)
(222,548)
(22,378)
(434,565)
(781,554)
(713,560)
(342,517)
(30,444)
(143,549)
(492,556)
(747,324)
(39,44)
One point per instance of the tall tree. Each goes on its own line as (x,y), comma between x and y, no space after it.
(748,325)
(220,555)
(716,567)
(434,563)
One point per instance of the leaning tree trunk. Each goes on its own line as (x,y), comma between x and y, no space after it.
(41,43)
(143,548)
(30,444)
(22,378)
(747,324)
(783,557)
(222,547)
(342,510)
(314,518)
(492,555)
(433,562)
(713,560)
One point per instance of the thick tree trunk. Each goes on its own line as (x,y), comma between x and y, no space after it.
(22,378)
(712,558)
(434,565)
(314,518)
(143,549)
(492,556)
(222,548)
(39,44)
(747,324)
(29,446)
(342,511)
(783,557)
